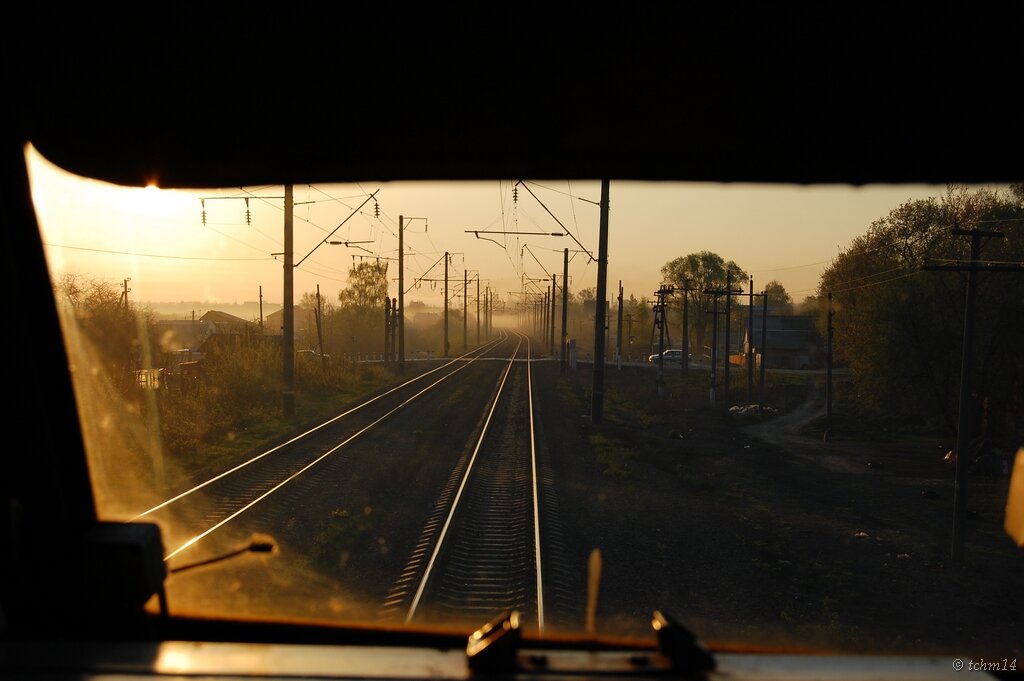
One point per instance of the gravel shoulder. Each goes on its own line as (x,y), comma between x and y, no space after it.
(760,538)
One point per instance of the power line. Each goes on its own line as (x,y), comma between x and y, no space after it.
(322,276)
(564,228)
(850,281)
(569,193)
(790,267)
(876,283)
(237,240)
(572,206)
(152,255)
(335,199)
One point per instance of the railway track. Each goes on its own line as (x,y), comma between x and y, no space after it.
(481,550)
(474,535)
(192,516)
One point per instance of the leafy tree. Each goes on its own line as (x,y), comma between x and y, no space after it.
(585,296)
(809,305)
(323,311)
(900,327)
(640,315)
(779,299)
(112,326)
(701,272)
(367,286)
(357,324)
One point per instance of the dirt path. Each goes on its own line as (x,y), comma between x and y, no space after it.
(784,430)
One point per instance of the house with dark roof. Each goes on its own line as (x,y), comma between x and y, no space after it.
(227,323)
(177,336)
(790,342)
(192,340)
(304,319)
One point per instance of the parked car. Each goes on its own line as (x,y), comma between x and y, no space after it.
(670,356)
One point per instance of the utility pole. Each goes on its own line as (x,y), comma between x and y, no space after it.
(750,343)
(542,321)
(963,425)
(565,308)
(125,291)
(597,394)
(465,311)
(387,331)
(320,329)
(686,325)
(288,339)
(478,308)
(261,310)
(728,323)
(446,304)
(394,329)
(618,331)
(727,292)
(401,291)
(714,352)
(401,295)
(629,333)
(660,322)
(288,312)
(764,344)
(751,355)
(659,315)
(828,372)
(554,292)
(607,328)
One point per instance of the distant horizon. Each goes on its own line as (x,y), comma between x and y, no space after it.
(213,304)
(508,236)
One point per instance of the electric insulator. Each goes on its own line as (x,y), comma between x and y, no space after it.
(376,210)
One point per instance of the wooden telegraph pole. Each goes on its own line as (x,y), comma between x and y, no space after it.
(972,267)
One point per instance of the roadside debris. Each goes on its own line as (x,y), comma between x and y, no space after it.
(751,410)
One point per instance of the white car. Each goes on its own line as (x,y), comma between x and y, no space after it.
(670,356)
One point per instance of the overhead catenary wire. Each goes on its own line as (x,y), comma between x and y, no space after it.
(568,193)
(322,229)
(555,218)
(336,228)
(162,256)
(876,283)
(423,276)
(790,267)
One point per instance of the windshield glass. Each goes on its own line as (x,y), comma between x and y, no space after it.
(378,404)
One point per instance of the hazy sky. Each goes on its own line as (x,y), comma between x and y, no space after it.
(157,238)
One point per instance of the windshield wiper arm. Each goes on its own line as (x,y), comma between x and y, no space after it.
(688,653)
(494,650)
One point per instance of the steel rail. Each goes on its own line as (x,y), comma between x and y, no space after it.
(439,543)
(198,537)
(332,420)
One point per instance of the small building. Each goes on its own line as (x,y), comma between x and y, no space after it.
(304,319)
(425,320)
(791,342)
